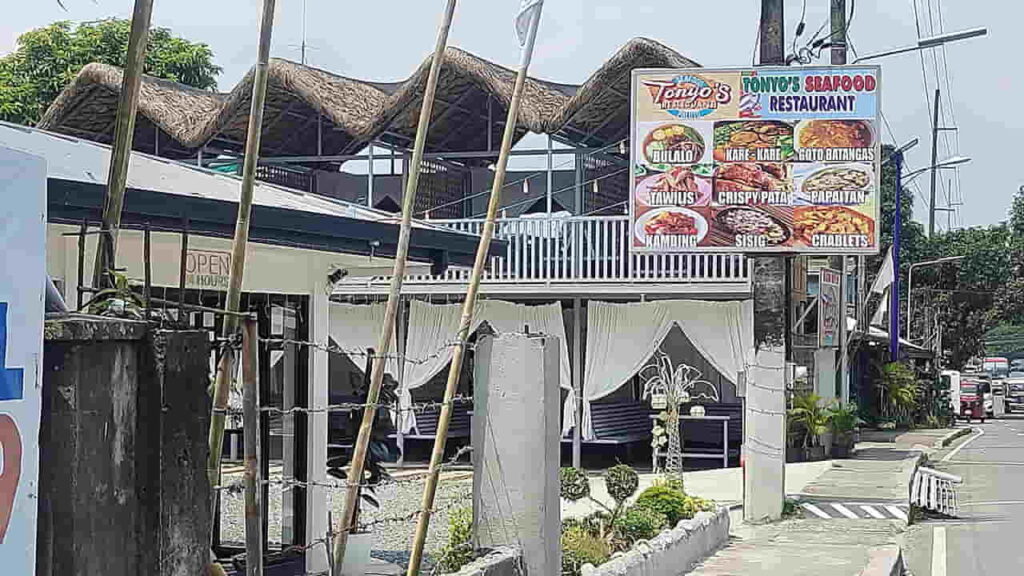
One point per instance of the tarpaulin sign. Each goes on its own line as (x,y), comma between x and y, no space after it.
(776,160)
(23,260)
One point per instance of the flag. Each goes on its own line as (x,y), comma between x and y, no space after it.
(883,307)
(524,18)
(885,274)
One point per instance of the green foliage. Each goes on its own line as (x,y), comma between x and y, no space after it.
(580,547)
(843,418)
(458,551)
(119,301)
(573,484)
(47,59)
(898,389)
(695,505)
(790,508)
(673,481)
(638,522)
(621,482)
(808,415)
(667,501)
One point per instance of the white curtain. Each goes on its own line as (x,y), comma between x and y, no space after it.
(622,337)
(357,327)
(433,327)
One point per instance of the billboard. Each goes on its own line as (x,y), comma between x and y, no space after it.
(769,160)
(829,308)
(23,258)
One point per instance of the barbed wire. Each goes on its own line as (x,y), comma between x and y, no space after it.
(290,483)
(335,349)
(415,408)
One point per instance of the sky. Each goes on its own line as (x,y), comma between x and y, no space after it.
(385,40)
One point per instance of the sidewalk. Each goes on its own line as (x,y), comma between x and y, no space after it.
(879,472)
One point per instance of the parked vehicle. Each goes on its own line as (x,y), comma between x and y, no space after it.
(996,366)
(1014,395)
(972,402)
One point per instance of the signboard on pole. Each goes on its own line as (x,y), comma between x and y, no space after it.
(766,160)
(830,308)
(22,248)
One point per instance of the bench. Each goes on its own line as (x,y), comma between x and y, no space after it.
(704,436)
(426,423)
(622,423)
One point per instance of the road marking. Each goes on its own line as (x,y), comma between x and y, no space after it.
(872,512)
(939,551)
(844,511)
(997,503)
(815,510)
(897,512)
(956,450)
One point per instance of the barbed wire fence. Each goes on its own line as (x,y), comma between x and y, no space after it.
(398,521)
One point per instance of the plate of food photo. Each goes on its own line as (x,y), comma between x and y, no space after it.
(673,144)
(834,134)
(671,221)
(753,135)
(689,185)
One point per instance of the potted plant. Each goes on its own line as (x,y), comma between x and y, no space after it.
(843,421)
(808,414)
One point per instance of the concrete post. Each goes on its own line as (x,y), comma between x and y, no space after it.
(516,448)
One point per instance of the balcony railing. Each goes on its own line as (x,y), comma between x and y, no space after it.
(581,249)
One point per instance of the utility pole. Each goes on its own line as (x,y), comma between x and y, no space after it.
(764,451)
(838,39)
(934,168)
(121,152)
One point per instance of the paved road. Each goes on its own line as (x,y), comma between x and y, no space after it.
(988,538)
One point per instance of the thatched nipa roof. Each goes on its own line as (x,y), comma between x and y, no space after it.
(468,113)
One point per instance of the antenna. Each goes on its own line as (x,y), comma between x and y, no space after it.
(302,58)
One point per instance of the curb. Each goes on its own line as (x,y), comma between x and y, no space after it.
(949,438)
(885,561)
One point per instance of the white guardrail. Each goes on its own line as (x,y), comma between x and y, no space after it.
(584,249)
(934,490)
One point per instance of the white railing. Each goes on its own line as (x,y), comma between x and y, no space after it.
(934,490)
(584,249)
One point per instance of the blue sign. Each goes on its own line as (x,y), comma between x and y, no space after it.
(11,379)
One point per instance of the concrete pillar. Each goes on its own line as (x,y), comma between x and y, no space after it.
(516,448)
(764,429)
(316,447)
(825,373)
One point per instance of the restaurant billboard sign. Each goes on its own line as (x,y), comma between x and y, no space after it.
(769,160)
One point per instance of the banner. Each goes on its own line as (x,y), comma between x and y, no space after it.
(777,160)
(23,260)
(829,308)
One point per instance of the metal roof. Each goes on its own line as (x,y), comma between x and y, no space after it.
(167,190)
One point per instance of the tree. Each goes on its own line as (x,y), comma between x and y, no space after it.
(1010,297)
(47,59)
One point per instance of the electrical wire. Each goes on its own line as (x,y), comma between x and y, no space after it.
(801,25)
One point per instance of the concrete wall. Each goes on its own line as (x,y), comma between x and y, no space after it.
(504,561)
(516,448)
(673,552)
(122,487)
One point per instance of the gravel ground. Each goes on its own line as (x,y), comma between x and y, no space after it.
(399,502)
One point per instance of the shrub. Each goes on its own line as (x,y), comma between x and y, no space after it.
(621,482)
(694,505)
(573,484)
(673,481)
(669,502)
(458,551)
(580,547)
(638,522)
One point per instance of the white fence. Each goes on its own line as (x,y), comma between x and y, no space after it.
(584,249)
(934,490)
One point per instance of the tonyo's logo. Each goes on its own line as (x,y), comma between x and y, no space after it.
(688,95)
(11,388)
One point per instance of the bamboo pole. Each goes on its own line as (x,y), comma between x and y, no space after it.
(250,427)
(120,154)
(355,474)
(469,305)
(226,366)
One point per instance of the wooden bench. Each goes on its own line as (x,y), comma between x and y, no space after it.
(704,436)
(622,423)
